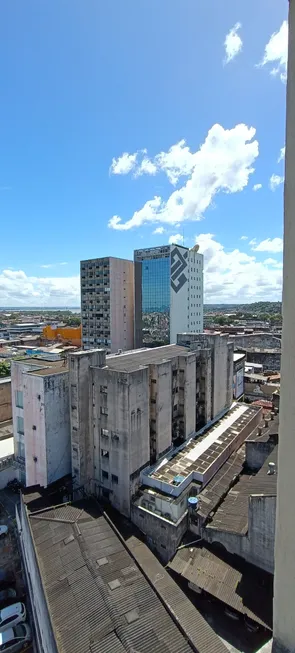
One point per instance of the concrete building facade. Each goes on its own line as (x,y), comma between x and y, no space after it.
(107,304)
(5,399)
(284,587)
(168,293)
(129,410)
(41,420)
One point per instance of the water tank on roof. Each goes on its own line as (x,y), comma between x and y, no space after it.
(193,503)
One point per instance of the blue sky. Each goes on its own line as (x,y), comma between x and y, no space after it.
(84,82)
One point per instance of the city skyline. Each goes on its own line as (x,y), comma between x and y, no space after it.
(108,147)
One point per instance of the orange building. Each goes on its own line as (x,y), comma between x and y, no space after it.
(72,335)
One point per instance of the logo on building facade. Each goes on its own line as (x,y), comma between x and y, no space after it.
(178,265)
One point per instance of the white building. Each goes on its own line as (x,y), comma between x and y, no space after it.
(168,293)
(107,303)
(41,420)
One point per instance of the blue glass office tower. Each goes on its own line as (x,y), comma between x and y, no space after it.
(168,294)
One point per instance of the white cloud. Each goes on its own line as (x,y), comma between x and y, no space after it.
(273,263)
(124,164)
(234,277)
(146,167)
(257,186)
(244,238)
(159,230)
(282,154)
(253,241)
(18,289)
(276,52)
(178,161)
(274,245)
(176,238)
(52,265)
(275,181)
(224,162)
(233,43)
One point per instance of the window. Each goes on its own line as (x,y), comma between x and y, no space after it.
(105,453)
(115,479)
(103,411)
(19,399)
(105,432)
(104,475)
(20,425)
(103,389)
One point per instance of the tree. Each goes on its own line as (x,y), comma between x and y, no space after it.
(74,321)
(4,369)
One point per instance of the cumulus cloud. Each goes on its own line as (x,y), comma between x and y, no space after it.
(257,187)
(276,52)
(233,43)
(282,154)
(274,245)
(159,230)
(275,181)
(224,162)
(273,263)
(146,167)
(175,238)
(18,289)
(234,277)
(124,164)
(244,238)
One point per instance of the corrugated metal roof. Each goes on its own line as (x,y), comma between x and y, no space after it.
(232,514)
(103,600)
(234,582)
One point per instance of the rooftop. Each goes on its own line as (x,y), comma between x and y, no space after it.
(40,366)
(106,596)
(130,362)
(232,514)
(228,578)
(200,453)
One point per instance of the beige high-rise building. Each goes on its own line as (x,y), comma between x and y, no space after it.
(284,590)
(107,304)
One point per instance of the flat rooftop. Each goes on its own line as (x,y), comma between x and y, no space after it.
(130,362)
(230,579)
(200,453)
(42,367)
(232,513)
(105,596)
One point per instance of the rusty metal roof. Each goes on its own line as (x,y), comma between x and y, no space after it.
(237,584)
(232,513)
(104,596)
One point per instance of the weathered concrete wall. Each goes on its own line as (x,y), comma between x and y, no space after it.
(35,431)
(80,380)
(258,452)
(260,340)
(121,304)
(269,360)
(188,365)
(6,474)
(57,426)
(284,585)
(160,391)
(162,536)
(257,546)
(45,639)
(5,400)
(221,365)
(120,433)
